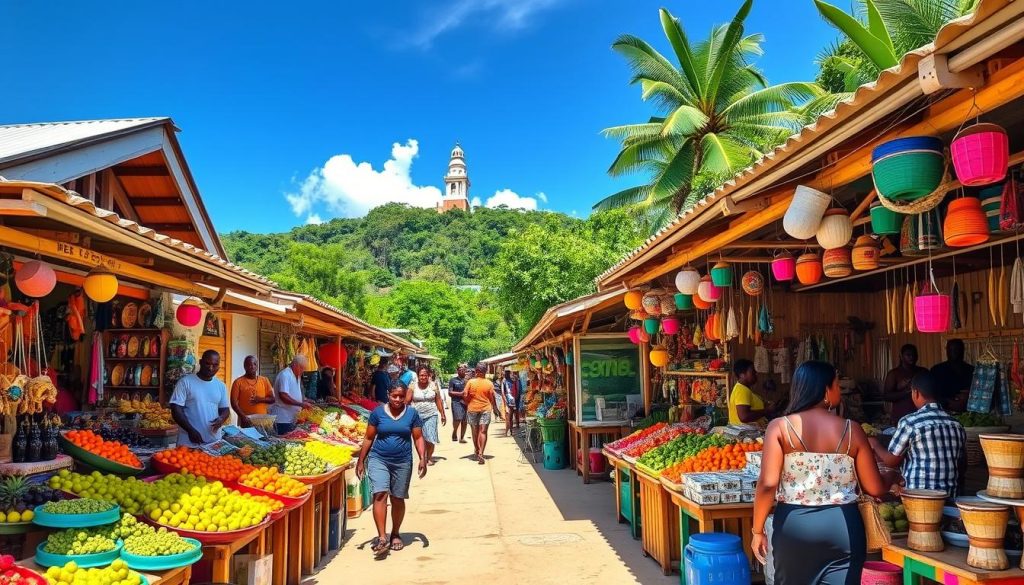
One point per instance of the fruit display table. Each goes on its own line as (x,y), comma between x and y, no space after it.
(179,576)
(735,519)
(948,567)
(627,496)
(579,439)
(659,523)
(219,555)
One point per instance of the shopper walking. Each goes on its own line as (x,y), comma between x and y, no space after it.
(386,457)
(811,464)
(507,391)
(480,397)
(457,394)
(425,397)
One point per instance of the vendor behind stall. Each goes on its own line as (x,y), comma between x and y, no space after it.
(896,388)
(929,443)
(199,403)
(954,377)
(745,405)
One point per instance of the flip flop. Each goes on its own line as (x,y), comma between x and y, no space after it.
(380,547)
(396,543)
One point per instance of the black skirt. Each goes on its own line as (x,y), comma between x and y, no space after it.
(818,545)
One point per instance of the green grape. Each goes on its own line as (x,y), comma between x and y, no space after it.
(79,506)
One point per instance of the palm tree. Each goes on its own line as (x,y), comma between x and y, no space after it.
(718,115)
(892,29)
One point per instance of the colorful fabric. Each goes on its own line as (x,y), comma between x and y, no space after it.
(932,444)
(817,479)
(988,377)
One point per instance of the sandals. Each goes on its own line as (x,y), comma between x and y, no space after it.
(396,543)
(381,547)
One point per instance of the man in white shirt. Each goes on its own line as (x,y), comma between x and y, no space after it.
(199,403)
(288,391)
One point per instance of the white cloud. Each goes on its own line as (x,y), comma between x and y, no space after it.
(513,200)
(503,15)
(347,188)
(542,196)
(314,219)
(475,202)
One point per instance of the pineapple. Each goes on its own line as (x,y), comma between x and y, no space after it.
(12,492)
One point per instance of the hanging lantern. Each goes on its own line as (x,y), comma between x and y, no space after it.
(651,325)
(701,303)
(633,299)
(332,354)
(35,279)
(865,254)
(808,268)
(783,267)
(805,211)
(634,335)
(752,283)
(683,302)
(670,325)
(100,284)
(966,224)
(721,274)
(668,304)
(643,336)
(835,230)
(708,291)
(189,313)
(837,263)
(652,302)
(711,327)
(687,280)
(659,356)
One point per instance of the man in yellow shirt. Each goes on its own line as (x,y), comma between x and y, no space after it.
(251,393)
(746,406)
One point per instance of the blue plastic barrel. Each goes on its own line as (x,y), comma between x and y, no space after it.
(554,455)
(716,558)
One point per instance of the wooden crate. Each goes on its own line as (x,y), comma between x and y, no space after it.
(659,524)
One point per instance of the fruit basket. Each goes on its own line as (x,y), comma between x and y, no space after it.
(165,562)
(226,537)
(97,462)
(48,559)
(163,468)
(86,520)
(317,479)
(289,502)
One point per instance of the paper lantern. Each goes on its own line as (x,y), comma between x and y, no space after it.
(837,263)
(332,354)
(783,267)
(805,211)
(701,303)
(865,254)
(670,325)
(708,291)
(835,230)
(634,335)
(35,279)
(189,313)
(752,283)
(966,224)
(808,268)
(100,285)
(633,299)
(687,281)
(652,302)
(683,302)
(721,274)
(659,356)
(711,327)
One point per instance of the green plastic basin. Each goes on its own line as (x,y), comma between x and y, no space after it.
(166,562)
(48,559)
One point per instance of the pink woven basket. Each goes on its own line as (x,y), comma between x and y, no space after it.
(932,310)
(881,573)
(980,154)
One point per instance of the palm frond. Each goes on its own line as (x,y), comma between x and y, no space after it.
(645,61)
(723,154)
(664,95)
(638,195)
(685,120)
(775,98)
(627,131)
(684,52)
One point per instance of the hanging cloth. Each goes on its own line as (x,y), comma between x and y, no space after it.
(732,328)
(762,361)
(1017,286)
(97,372)
(988,376)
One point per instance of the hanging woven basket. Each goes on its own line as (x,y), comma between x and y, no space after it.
(981,154)
(931,309)
(835,230)
(966,224)
(783,267)
(836,263)
(670,325)
(907,169)
(683,302)
(991,199)
(805,212)
(865,254)
(808,268)
(721,274)
(687,280)
(884,221)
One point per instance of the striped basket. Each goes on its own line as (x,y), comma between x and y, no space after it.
(975,456)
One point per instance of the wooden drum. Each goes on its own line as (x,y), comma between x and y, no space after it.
(986,527)
(924,514)
(1004,455)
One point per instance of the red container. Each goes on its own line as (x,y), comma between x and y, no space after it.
(980,154)
(596,460)
(808,268)
(881,573)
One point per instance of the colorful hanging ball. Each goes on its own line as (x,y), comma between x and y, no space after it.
(634,335)
(659,356)
(707,290)
(752,283)
(189,313)
(687,280)
(670,325)
(652,302)
(633,299)
(721,274)
(643,335)
(35,279)
(100,285)
(332,354)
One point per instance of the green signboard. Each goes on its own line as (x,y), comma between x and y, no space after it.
(608,369)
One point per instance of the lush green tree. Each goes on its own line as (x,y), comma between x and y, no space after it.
(320,271)
(716,114)
(434,310)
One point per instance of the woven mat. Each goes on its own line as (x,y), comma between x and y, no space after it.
(61,462)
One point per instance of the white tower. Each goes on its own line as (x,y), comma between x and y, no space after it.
(456,183)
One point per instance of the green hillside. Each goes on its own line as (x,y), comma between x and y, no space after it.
(470,283)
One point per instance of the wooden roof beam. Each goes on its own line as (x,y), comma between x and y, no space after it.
(142,171)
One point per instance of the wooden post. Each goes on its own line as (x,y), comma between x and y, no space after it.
(645,376)
(337,374)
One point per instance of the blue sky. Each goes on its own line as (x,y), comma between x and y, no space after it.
(290,112)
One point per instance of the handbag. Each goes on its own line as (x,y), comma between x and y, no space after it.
(874,528)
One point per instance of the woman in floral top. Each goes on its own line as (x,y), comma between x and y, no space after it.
(809,471)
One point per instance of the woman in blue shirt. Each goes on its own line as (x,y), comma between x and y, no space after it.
(386,456)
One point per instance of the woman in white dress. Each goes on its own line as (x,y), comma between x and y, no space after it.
(425,396)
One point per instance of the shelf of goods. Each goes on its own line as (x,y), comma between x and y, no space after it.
(134,357)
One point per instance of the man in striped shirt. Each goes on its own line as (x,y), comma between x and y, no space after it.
(928,444)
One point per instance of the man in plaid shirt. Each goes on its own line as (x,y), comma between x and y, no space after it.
(929,443)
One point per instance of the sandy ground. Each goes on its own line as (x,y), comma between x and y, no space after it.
(503,522)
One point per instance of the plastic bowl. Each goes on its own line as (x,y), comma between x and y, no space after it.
(97,462)
(211,537)
(44,518)
(48,559)
(166,562)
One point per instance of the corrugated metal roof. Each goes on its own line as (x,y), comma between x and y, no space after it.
(860,101)
(19,141)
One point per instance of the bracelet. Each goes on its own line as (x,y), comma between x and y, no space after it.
(755,533)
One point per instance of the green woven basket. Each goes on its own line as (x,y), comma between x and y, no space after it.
(908,175)
(551,429)
(885,221)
